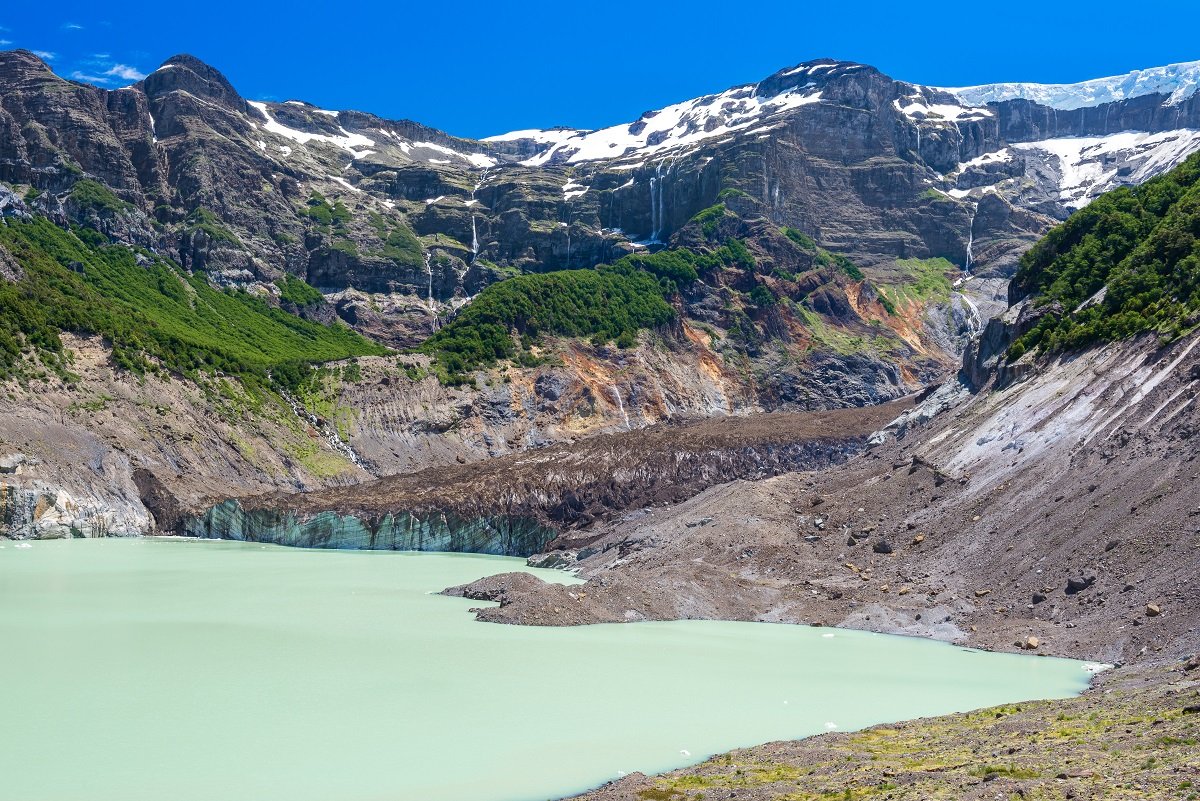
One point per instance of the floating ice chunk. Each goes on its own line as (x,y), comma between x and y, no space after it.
(684,752)
(828,636)
(830,725)
(23,545)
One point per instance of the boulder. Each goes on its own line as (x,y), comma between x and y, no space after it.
(1079,584)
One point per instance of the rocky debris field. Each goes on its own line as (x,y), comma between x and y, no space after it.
(1059,516)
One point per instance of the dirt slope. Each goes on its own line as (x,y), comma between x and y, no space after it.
(1065,508)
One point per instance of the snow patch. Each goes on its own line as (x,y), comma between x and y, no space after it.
(676,126)
(1091,165)
(917,108)
(573,190)
(352,143)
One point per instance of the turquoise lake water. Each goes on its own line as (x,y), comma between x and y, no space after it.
(160,669)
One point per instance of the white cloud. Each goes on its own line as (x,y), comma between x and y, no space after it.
(45,55)
(83,76)
(125,72)
(72,26)
(4,42)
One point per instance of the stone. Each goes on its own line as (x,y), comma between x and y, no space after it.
(1030,643)
(1038,597)
(883,547)
(982,593)
(1079,584)
(1153,610)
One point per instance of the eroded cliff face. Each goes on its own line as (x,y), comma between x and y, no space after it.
(517,504)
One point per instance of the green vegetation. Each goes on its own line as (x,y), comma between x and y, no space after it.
(603,304)
(800,238)
(761,297)
(201,219)
(827,259)
(154,317)
(822,256)
(1143,244)
(923,281)
(297,291)
(400,244)
(95,195)
(319,209)
(709,219)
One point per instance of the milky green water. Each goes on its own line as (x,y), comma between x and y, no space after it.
(214,671)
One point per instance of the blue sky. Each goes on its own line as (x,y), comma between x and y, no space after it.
(475,69)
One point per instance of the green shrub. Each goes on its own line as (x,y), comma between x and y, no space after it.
(761,297)
(800,238)
(204,220)
(1143,244)
(507,318)
(709,219)
(95,195)
(297,291)
(150,314)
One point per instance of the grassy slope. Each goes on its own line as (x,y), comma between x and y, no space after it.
(154,316)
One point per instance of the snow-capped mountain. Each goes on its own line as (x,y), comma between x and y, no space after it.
(869,166)
(679,126)
(1177,81)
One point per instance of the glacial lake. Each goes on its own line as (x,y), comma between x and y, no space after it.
(199,670)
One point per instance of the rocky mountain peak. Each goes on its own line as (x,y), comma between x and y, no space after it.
(185,73)
(21,67)
(814,75)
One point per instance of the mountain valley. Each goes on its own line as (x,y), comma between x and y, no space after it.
(830,349)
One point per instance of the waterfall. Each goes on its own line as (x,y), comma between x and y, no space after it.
(971,238)
(483,176)
(429,275)
(332,437)
(654,209)
(918,127)
(662,192)
(975,321)
(620,405)
(657,200)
